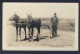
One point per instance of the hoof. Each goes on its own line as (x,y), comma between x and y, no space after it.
(16,40)
(29,40)
(57,36)
(37,39)
(51,37)
(25,38)
(20,40)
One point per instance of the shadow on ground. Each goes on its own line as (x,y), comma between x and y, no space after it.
(51,37)
(41,38)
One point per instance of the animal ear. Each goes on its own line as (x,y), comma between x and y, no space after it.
(27,14)
(10,18)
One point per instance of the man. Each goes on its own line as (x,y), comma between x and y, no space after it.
(54,23)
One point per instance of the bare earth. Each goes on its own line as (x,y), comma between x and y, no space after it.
(64,39)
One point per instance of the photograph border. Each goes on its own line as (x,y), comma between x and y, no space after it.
(20,52)
(75,48)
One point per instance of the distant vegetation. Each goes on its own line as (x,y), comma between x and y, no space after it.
(64,24)
(60,19)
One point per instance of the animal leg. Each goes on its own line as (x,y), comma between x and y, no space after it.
(32,32)
(25,32)
(29,34)
(20,33)
(16,33)
(38,34)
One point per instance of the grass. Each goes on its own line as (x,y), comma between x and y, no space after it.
(63,25)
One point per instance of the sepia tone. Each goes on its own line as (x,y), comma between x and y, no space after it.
(67,30)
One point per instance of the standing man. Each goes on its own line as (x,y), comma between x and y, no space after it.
(54,23)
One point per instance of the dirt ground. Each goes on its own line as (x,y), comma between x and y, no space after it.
(64,39)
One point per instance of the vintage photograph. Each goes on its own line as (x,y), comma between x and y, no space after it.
(40,26)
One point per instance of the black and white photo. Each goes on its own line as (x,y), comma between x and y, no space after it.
(40,26)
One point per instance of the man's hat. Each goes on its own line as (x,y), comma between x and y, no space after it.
(55,14)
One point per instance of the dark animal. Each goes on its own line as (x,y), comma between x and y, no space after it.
(33,23)
(19,23)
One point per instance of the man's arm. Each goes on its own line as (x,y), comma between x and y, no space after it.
(57,21)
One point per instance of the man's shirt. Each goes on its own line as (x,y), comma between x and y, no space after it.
(54,21)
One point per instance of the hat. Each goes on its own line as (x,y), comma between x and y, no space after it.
(55,14)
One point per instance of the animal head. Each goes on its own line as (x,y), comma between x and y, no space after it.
(29,16)
(15,17)
(55,14)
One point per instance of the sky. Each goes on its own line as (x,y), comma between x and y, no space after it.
(63,10)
